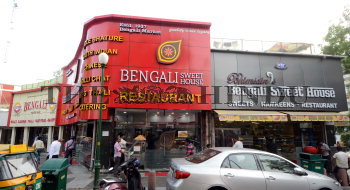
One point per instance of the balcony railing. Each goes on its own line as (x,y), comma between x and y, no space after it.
(265,46)
(43,83)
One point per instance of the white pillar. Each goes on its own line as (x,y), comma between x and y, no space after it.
(49,137)
(13,135)
(0,135)
(26,136)
(60,132)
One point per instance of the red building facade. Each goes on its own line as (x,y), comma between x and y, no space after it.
(158,74)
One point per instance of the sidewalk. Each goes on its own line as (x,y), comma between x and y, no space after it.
(79,177)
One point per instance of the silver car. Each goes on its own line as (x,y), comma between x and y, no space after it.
(226,168)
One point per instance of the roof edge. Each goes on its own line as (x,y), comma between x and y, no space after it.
(279,53)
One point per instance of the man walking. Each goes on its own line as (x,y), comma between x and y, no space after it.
(117,154)
(69,148)
(54,149)
(326,154)
(39,147)
(341,160)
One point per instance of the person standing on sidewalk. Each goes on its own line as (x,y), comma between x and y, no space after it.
(117,154)
(123,144)
(326,154)
(236,142)
(39,147)
(69,148)
(55,148)
(340,160)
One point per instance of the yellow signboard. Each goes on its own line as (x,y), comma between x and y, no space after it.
(37,108)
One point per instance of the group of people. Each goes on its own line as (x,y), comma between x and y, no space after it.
(339,161)
(120,152)
(55,148)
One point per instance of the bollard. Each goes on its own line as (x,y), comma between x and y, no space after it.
(152,180)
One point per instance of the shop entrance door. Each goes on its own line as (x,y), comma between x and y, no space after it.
(165,132)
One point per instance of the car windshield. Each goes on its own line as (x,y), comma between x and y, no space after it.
(13,166)
(202,156)
(4,170)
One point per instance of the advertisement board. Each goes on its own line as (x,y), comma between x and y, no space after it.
(35,108)
(262,81)
(153,64)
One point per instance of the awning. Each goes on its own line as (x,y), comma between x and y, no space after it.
(251,115)
(318,116)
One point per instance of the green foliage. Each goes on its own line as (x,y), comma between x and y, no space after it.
(345,137)
(338,39)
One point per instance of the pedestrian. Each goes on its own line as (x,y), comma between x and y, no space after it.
(236,142)
(271,146)
(340,144)
(340,160)
(117,154)
(189,148)
(123,144)
(207,146)
(39,147)
(326,154)
(69,148)
(54,148)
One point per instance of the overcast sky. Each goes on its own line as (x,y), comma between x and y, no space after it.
(45,34)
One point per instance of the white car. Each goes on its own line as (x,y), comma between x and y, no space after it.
(226,168)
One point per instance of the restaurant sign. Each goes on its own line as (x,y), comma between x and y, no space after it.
(301,87)
(37,108)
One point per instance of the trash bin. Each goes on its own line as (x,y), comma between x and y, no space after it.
(55,174)
(312,162)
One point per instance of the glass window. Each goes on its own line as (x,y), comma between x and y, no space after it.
(202,156)
(21,164)
(240,161)
(4,170)
(274,164)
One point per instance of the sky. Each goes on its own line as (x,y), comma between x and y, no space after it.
(41,36)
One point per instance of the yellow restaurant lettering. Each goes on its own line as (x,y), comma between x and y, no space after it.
(98,51)
(158,98)
(92,106)
(92,66)
(94,79)
(103,38)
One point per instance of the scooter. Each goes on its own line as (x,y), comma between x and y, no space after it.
(132,181)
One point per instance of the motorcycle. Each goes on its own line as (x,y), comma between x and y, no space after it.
(131,180)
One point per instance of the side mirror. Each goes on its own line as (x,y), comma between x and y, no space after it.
(299,171)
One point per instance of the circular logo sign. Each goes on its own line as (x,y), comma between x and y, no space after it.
(17,107)
(168,52)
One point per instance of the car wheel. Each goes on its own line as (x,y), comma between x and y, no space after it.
(325,189)
(217,188)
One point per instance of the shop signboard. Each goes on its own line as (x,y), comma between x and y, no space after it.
(153,64)
(34,108)
(263,81)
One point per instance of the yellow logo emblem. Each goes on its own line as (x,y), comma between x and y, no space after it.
(168,52)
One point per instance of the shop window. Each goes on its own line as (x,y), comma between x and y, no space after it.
(240,161)
(165,131)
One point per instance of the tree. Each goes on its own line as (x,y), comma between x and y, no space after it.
(338,39)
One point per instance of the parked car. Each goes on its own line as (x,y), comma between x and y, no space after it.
(226,168)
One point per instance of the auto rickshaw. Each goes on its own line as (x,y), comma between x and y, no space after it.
(19,169)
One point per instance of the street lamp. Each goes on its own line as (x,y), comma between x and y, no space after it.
(103,59)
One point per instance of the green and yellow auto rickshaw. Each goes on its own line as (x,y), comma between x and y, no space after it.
(19,169)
